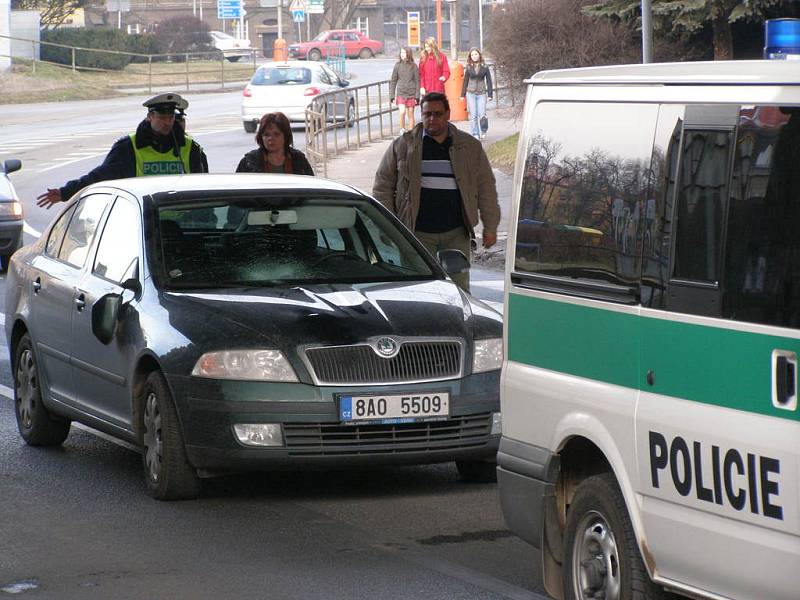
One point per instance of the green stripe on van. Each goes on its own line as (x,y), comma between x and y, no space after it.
(705,364)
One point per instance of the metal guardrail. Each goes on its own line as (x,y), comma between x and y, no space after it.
(186,74)
(328,136)
(342,120)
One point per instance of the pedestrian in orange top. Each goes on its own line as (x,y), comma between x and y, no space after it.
(433,68)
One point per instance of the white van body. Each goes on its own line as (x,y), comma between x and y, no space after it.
(652,331)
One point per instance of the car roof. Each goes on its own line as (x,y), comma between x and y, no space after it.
(231,183)
(726,72)
(290,64)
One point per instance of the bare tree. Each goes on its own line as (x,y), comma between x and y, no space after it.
(53,12)
(339,13)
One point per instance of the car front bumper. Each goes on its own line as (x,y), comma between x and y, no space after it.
(313,435)
(10,237)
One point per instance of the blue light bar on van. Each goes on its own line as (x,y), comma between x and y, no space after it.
(782,39)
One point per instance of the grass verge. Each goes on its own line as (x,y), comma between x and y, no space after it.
(54,83)
(503,154)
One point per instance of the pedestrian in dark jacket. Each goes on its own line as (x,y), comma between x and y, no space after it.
(404,87)
(157,148)
(477,88)
(275,153)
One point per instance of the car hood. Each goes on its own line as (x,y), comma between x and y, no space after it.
(287,317)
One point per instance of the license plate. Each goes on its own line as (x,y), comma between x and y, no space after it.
(394,408)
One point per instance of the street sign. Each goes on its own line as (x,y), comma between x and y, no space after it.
(315,7)
(412,21)
(297,5)
(229,9)
(298,16)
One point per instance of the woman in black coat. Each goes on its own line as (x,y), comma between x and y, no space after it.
(275,153)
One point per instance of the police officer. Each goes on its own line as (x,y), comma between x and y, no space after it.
(159,147)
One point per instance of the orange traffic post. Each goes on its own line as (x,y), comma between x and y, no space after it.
(452,89)
(280,50)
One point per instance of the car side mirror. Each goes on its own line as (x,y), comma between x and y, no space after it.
(344,83)
(12,164)
(105,313)
(131,285)
(453,261)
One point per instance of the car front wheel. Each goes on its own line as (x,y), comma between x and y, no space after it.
(365,53)
(314,55)
(249,126)
(37,425)
(167,470)
(601,557)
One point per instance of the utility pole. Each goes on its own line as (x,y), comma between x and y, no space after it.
(439,24)
(647,31)
(280,19)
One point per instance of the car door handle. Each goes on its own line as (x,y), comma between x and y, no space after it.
(784,379)
(80,302)
(37,285)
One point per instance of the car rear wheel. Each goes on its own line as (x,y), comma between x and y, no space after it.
(601,557)
(365,53)
(37,425)
(351,114)
(249,126)
(314,54)
(167,470)
(477,471)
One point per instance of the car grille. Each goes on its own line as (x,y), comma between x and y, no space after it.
(359,364)
(333,439)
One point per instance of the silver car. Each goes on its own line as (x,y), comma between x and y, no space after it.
(289,87)
(10,213)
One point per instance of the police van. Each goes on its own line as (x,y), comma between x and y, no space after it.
(651,430)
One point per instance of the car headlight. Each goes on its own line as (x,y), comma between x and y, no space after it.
(257,365)
(487,355)
(10,211)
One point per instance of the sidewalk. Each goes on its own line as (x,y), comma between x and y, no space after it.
(357,168)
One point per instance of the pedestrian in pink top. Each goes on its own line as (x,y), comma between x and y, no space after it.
(433,69)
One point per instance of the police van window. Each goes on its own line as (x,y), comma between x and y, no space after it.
(587,178)
(82,228)
(701,198)
(762,263)
(119,244)
(657,233)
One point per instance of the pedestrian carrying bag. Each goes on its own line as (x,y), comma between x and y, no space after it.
(484,124)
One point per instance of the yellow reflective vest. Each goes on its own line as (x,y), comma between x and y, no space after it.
(150,161)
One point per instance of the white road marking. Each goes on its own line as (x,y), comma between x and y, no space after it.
(69,162)
(7,392)
(30,230)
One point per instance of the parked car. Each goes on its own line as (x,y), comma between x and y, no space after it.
(329,43)
(239,322)
(10,213)
(232,48)
(289,87)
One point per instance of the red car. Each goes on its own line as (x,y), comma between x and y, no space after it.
(328,43)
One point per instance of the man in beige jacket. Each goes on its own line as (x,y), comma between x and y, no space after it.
(438,181)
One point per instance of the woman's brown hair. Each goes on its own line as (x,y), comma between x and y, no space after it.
(409,55)
(424,54)
(280,121)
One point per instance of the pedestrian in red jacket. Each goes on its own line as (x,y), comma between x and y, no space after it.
(433,69)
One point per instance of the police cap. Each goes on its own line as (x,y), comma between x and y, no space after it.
(166,102)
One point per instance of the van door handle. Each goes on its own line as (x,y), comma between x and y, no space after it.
(37,285)
(784,379)
(80,302)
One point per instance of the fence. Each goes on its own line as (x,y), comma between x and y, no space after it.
(354,116)
(149,70)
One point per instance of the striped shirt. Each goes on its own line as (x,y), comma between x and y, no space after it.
(440,206)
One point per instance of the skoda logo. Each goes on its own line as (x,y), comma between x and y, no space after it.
(386,347)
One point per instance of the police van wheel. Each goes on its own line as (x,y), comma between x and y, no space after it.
(601,557)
